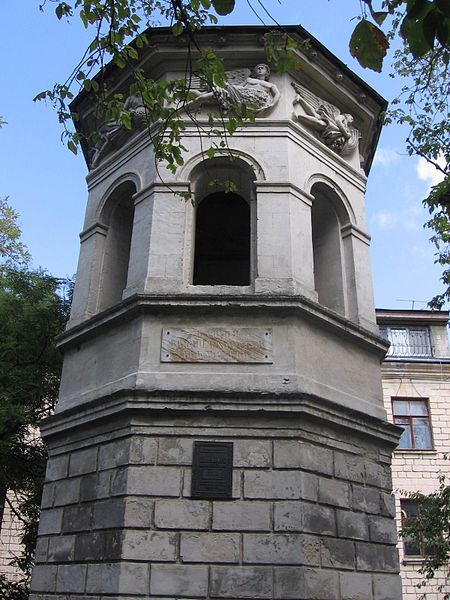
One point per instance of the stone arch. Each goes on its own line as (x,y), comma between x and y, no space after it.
(223,221)
(117,214)
(332,259)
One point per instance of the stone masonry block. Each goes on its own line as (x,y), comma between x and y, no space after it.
(48,494)
(95,486)
(118,578)
(352,525)
(83,461)
(337,554)
(387,586)
(57,467)
(252,453)
(67,491)
(241,582)
(149,545)
(108,514)
(366,499)
(387,504)
(154,481)
(175,451)
(41,551)
(305,517)
(77,518)
(349,467)
(376,557)
(50,521)
(138,512)
(356,586)
(302,582)
(210,547)
(293,549)
(44,578)
(71,579)
(143,450)
(378,475)
(61,548)
(241,515)
(179,580)
(131,450)
(382,529)
(297,454)
(90,546)
(282,485)
(118,482)
(182,514)
(334,492)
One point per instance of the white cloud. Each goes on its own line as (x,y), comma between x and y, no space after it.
(385,220)
(427,172)
(386,156)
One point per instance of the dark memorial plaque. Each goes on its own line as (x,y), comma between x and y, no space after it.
(212,470)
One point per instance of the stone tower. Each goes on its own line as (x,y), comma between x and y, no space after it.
(220,431)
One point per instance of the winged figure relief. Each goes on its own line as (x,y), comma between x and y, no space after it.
(243,86)
(334,128)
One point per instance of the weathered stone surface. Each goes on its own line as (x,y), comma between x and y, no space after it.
(386,586)
(334,492)
(210,547)
(376,557)
(83,461)
(357,586)
(50,521)
(90,546)
(241,582)
(108,513)
(252,453)
(352,525)
(337,554)
(387,504)
(175,451)
(131,450)
(241,516)
(138,512)
(44,578)
(382,529)
(153,481)
(277,549)
(57,467)
(280,485)
(48,494)
(71,579)
(61,548)
(366,499)
(40,554)
(77,518)
(117,578)
(95,486)
(148,545)
(182,514)
(179,580)
(67,491)
(378,475)
(349,467)
(290,454)
(303,516)
(302,582)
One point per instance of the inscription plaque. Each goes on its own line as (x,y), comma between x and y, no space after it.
(217,345)
(212,470)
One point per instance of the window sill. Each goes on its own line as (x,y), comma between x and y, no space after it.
(414,451)
(413,560)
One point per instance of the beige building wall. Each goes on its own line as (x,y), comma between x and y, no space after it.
(9,543)
(418,469)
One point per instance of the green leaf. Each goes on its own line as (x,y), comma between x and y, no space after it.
(369,45)
(177,29)
(72,147)
(417,35)
(223,7)
(379,17)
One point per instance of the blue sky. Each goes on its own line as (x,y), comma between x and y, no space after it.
(46,183)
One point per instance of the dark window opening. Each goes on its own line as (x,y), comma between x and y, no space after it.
(413,545)
(413,415)
(222,241)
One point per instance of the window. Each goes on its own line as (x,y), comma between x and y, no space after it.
(412,414)
(413,547)
(222,240)
(407,341)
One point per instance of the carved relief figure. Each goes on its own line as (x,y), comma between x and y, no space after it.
(335,129)
(113,133)
(242,87)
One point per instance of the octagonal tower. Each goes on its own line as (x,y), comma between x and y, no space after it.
(220,431)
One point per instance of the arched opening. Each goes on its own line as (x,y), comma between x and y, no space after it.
(118,215)
(222,240)
(327,248)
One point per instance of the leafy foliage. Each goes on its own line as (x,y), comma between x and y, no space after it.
(32,313)
(432,525)
(12,250)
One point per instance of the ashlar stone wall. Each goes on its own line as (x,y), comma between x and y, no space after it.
(310,517)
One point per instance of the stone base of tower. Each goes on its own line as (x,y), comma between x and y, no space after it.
(311,513)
